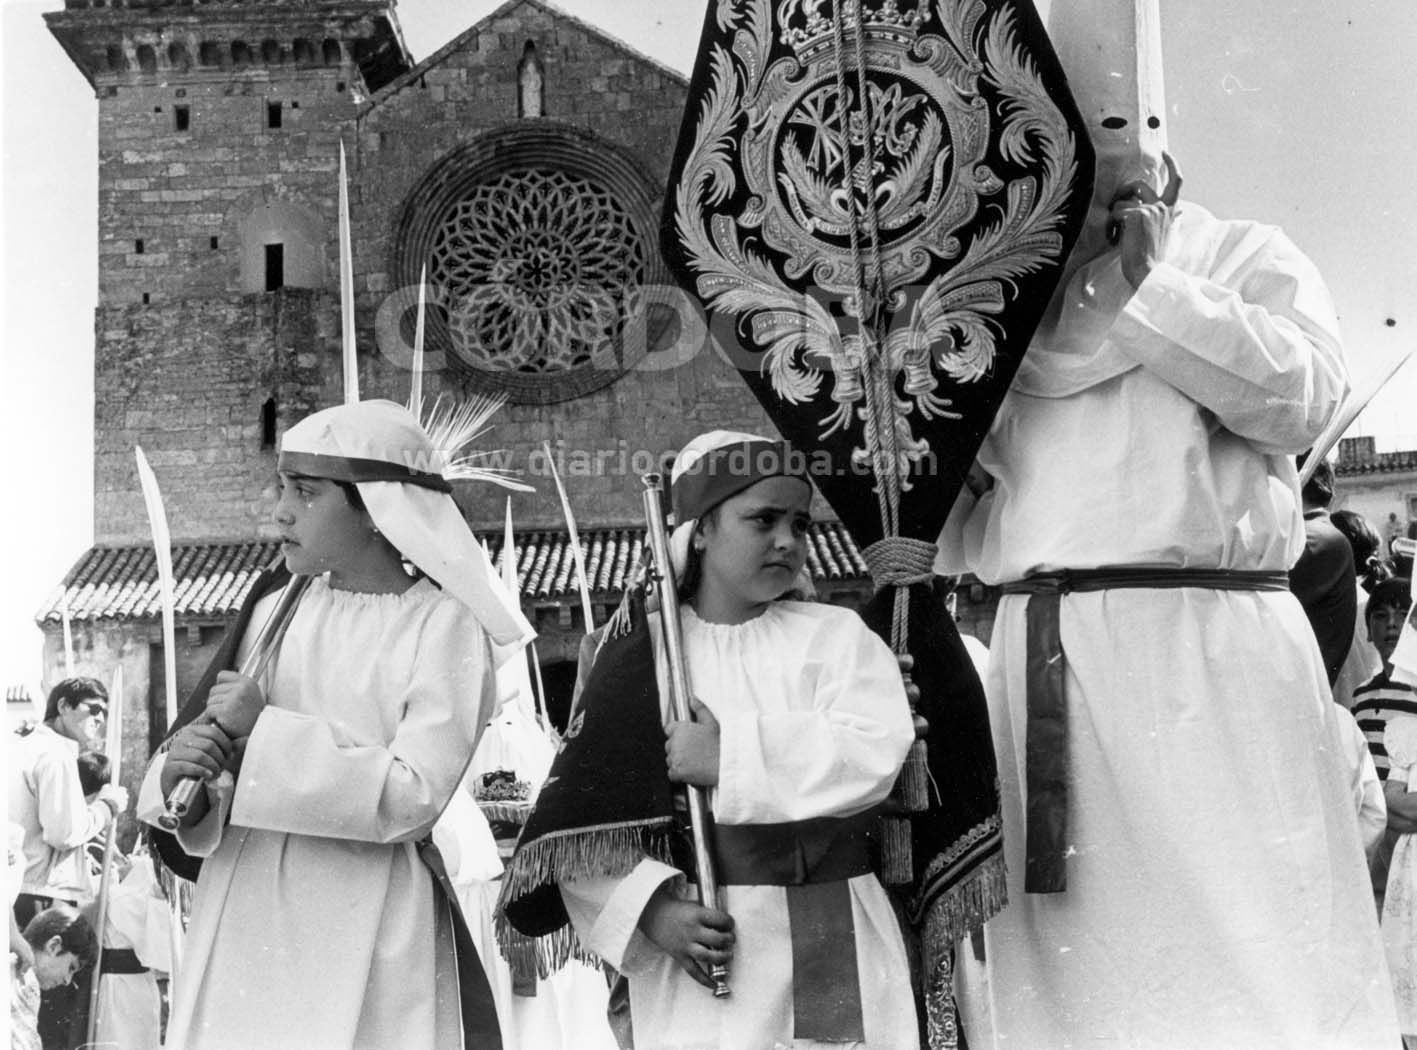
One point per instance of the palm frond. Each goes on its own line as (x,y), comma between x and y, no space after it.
(452,427)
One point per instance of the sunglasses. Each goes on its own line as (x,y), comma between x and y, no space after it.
(92,707)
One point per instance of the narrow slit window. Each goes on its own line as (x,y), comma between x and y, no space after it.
(273,114)
(181,117)
(268,423)
(138,246)
(275,267)
(215,243)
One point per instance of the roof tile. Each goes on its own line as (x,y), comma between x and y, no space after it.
(212,579)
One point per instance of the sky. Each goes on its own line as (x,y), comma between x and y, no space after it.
(1297,113)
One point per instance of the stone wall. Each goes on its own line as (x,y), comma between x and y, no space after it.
(186,194)
(189,385)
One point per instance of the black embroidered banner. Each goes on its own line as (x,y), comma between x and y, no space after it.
(873,200)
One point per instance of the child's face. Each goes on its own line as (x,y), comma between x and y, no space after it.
(1384,629)
(756,544)
(53,966)
(321,531)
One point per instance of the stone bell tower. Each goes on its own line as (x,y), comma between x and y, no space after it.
(217,321)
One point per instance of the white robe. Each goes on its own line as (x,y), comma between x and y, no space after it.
(314,926)
(568,1010)
(1400,899)
(813,722)
(129,1004)
(1216,888)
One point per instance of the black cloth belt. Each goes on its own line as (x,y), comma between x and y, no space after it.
(121,960)
(812,859)
(1046,737)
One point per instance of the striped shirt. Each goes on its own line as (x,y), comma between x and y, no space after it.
(1374,703)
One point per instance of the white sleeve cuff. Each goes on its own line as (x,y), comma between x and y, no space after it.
(203,837)
(615,935)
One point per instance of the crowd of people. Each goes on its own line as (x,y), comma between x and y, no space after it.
(62,829)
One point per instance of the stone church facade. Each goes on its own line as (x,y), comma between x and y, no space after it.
(523,164)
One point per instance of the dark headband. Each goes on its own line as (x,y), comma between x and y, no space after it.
(727,471)
(350,469)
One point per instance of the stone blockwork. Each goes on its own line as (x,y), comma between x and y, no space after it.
(175,206)
(190,385)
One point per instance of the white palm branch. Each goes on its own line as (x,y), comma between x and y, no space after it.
(452,427)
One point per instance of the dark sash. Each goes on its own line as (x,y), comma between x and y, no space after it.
(1046,737)
(812,859)
(121,960)
(479,1010)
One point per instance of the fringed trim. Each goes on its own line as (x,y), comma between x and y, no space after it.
(961,909)
(897,851)
(912,787)
(539,957)
(621,622)
(602,851)
(598,852)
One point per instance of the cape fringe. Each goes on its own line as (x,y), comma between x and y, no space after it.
(539,957)
(603,851)
(961,909)
(897,851)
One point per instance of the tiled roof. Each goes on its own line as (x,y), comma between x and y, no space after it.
(212,578)
(1379,463)
(121,582)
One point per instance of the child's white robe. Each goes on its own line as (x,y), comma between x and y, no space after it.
(313,926)
(1400,900)
(813,723)
(568,1010)
(1216,894)
(129,1004)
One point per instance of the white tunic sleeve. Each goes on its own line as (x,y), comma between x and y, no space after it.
(606,914)
(303,775)
(197,840)
(1400,740)
(1262,352)
(834,752)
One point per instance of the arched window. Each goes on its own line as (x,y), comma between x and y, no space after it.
(531,84)
(282,246)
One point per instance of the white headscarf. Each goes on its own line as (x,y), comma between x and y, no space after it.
(752,459)
(380,447)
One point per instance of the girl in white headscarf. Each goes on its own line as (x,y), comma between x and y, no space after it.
(802,727)
(315,926)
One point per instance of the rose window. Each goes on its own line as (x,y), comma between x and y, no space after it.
(540,243)
(536,266)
